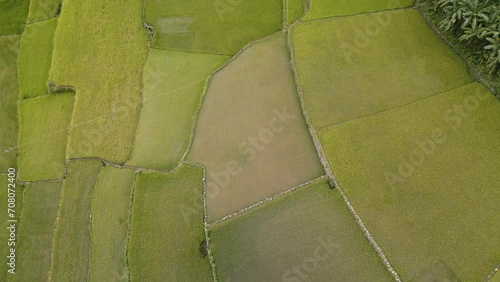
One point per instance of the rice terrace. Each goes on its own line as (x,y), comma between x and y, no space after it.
(250,140)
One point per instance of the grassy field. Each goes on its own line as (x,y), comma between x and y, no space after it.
(43,134)
(13,16)
(307,234)
(167,227)
(100,48)
(41,10)
(294,10)
(331,8)
(355,66)
(251,136)
(36,46)
(4,232)
(8,101)
(72,241)
(424,178)
(173,86)
(217,27)
(110,221)
(36,233)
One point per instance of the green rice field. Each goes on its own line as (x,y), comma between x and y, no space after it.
(36,45)
(168,215)
(173,86)
(8,101)
(42,10)
(241,141)
(108,100)
(305,235)
(73,239)
(330,8)
(339,61)
(215,27)
(44,123)
(421,203)
(111,201)
(36,233)
(13,16)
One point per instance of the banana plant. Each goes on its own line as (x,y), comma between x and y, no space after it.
(453,10)
(494,55)
(475,13)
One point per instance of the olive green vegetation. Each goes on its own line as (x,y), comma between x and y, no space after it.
(13,16)
(332,8)
(43,135)
(100,48)
(8,101)
(251,135)
(306,234)
(41,10)
(35,56)
(294,10)
(36,232)
(72,241)
(424,178)
(4,216)
(167,227)
(356,66)
(217,27)
(110,221)
(173,86)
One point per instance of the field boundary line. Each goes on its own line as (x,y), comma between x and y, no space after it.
(41,180)
(57,224)
(492,274)
(90,224)
(395,107)
(206,226)
(140,103)
(11,35)
(190,52)
(358,14)
(328,169)
(269,199)
(129,225)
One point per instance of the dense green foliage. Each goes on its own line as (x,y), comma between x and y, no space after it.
(475,22)
(13,15)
